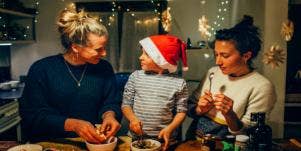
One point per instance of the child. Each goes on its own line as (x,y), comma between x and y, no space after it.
(154,99)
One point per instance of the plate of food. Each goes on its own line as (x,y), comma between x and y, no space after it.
(26,147)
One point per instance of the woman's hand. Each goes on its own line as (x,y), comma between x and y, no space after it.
(136,126)
(205,103)
(223,104)
(165,134)
(84,129)
(110,125)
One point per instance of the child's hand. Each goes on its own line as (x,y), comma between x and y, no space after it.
(136,126)
(165,134)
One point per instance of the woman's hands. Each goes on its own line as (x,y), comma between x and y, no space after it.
(204,104)
(84,129)
(109,124)
(223,104)
(87,131)
(220,101)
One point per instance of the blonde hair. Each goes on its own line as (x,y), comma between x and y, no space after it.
(74,26)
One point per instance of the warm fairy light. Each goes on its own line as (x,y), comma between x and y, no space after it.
(203,28)
(206,55)
(166,20)
(222,8)
(111,19)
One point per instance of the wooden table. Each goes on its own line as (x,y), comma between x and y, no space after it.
(78,144)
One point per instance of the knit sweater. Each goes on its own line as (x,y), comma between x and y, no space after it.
(250,93)
(51,95)
(155,99)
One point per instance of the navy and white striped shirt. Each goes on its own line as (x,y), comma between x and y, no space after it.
(155,99)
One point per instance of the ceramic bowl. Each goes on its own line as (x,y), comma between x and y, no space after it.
(14,84)
(27,147)
(156,145)
(9,85)
(108,146)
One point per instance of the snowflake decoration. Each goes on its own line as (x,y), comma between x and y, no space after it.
(203,28)
(275,56)
(166,20)
(287,30)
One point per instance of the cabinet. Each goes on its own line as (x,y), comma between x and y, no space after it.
(16,27)
(9,112)
(292,113)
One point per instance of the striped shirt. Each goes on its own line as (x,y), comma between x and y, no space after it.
(155,99)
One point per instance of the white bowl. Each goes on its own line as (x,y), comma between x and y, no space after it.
(14,84)
(103,147)
(157,146)
(27,147)
(9,85)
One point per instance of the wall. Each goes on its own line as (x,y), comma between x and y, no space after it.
(47,38)
(267,14)
(274,15)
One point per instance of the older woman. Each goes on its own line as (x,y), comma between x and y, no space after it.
(233,90)
(66,94)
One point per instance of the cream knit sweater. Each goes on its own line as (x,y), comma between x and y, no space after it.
(250,93)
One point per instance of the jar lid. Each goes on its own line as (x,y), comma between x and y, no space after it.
(242,138)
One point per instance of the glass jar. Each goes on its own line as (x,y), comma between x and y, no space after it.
(241,142)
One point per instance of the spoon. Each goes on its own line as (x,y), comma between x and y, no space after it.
(140,137)
(210,80)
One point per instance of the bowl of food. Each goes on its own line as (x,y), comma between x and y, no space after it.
(27,147)
(146,145)
(108,145)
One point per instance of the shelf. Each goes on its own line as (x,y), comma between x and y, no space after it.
(15,13)
(292,123)
(294,104)
(18,25)
(8,43)
(196,48)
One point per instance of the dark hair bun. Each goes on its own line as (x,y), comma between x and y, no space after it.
(246,22)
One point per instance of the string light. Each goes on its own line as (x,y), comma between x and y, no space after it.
(17,31)
(166,20)
(223,7)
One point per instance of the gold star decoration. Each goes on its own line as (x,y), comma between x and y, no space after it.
(275,56)
(203,28)
(166,20)
(287,30)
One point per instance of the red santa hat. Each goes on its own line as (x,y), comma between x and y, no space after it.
(165,50)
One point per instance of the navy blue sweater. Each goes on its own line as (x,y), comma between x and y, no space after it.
(51,96)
